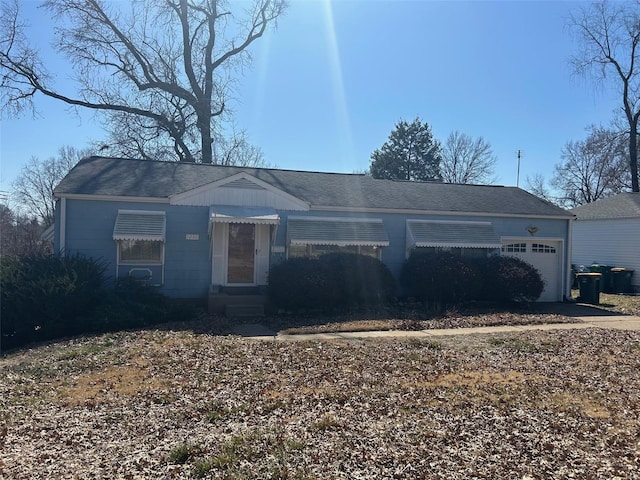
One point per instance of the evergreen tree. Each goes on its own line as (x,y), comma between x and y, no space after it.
(411,153)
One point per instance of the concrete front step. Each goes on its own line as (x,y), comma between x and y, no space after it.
(240,310)
(237,305)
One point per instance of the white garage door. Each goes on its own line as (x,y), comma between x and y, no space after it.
(545,257)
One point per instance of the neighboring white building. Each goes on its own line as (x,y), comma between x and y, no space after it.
(607,232)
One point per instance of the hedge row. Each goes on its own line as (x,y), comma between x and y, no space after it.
(445,279)
(45,297)
(332,281)
(338,280)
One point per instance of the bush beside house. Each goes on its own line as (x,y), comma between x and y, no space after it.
(47,297)
(338,281)
(332,281)
(509,279)
(443,279)
(440,278)
(44,297)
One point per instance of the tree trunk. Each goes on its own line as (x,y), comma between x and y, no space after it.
(204,125)
(633,157)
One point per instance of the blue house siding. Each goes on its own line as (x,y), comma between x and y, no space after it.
(185,192)
(396,227)
(187,261)
(187,264)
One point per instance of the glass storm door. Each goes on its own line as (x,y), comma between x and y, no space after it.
(241,259)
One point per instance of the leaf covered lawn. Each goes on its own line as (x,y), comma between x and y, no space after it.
(177,404)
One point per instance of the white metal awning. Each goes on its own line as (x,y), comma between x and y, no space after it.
(47,235)
(232,214)
(140,225)
(341,232)
(451,234)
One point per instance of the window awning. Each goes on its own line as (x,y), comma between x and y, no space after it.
(451,234)
(319,231)
(47,235)
(232,214)
(140,225)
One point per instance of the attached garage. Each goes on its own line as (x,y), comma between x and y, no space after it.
(546,257)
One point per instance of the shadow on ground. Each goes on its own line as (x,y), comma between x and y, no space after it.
(575,309)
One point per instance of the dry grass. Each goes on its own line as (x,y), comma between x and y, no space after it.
(179,405)
(626,304)
(413,317)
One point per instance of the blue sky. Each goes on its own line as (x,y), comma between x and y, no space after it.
(327,87)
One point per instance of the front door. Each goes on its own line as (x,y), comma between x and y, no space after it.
(241,256)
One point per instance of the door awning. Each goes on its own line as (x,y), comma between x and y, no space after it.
(341,232)
(232,214)
(451,234)
(140,225)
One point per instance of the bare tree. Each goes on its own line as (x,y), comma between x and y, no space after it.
(33,187)
(236,150)
(609,34)
(537,185)
(467,160)
(20,235)
(592,169)
(162,70)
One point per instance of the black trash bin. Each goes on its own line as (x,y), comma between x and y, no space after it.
(589,284)
(606,282)
(621,279)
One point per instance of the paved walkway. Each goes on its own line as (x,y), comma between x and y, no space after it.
(585,316)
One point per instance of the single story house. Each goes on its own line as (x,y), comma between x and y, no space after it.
(197,230)
(607,231)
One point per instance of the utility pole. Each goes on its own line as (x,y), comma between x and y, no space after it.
(518,177)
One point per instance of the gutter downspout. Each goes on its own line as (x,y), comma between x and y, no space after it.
(63,225)
(567,276)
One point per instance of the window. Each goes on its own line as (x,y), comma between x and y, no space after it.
(369,251)
(315,251)
(515,248)
(296,251)
(316,236)
(460,252)
(140,251)
(542,248)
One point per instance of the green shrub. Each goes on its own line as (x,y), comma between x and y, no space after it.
(48,297)
(444,279)
(300,284)
(44,297)
(510,279)
(132,304)
(441,279)
(336,280)
(361,280)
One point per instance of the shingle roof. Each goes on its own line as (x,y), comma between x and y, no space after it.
(143,178)
(623,205)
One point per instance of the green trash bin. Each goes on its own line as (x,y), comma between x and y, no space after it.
(621,279)
(589,284)
(606,282)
